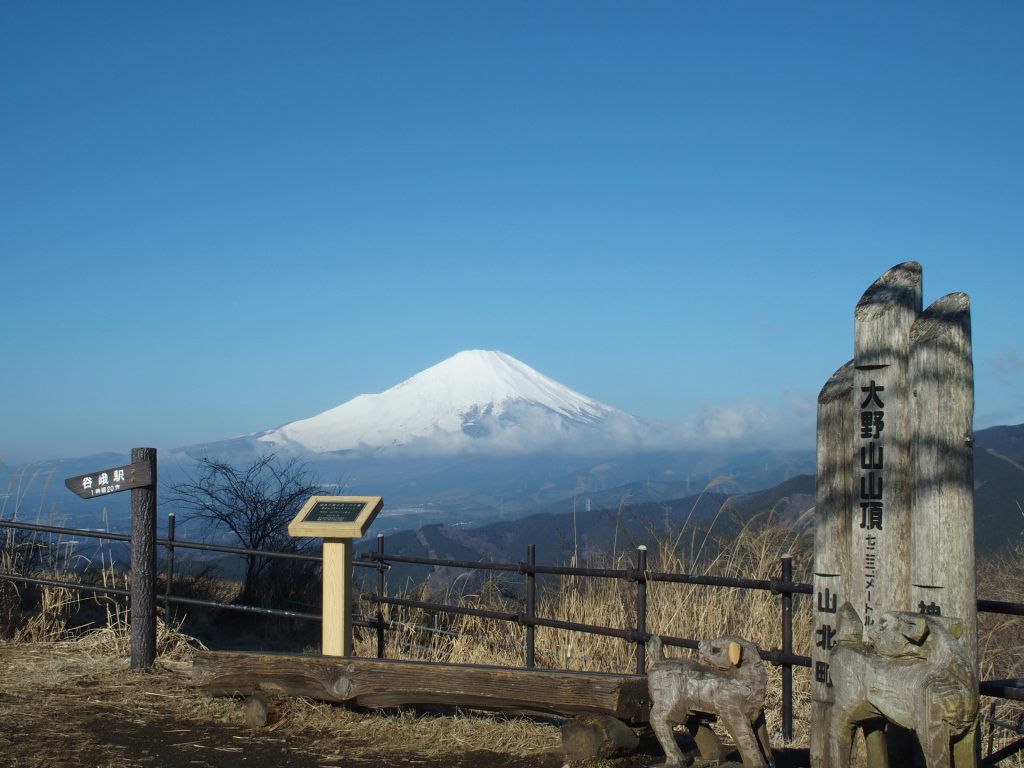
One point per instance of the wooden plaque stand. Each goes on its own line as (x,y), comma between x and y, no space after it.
(337,520)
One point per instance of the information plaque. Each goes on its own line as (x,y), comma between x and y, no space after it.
(337,520)
(336,517)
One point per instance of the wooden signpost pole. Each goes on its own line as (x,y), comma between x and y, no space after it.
(143,559)
(139,477)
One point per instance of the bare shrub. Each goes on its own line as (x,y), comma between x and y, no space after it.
(1001,642)
(254,504)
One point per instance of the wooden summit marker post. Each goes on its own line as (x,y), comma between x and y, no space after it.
(880,565)
(832,534)
(942,580)
(895,506)
(140,478)
(337,520)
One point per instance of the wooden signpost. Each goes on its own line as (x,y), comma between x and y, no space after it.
(140,478)
(113,480)
(337,520)
(894,508)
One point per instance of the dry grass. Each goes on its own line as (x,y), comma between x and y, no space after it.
(425,733)
(61,685)
(1001,641)
(82,692)
(672,609)
(43,557)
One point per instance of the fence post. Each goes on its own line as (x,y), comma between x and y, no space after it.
(169,567)
(380,596)
(143,562)
(787,648)
(641,609)
(531,604)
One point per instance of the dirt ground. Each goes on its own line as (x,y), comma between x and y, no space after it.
(76,704)
(67,704)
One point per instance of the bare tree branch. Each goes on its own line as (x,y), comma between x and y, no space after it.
(254,503)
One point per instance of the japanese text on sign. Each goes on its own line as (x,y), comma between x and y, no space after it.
(106,481)
(872,482)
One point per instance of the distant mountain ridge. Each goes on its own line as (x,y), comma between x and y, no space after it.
(620,518)
(482,437)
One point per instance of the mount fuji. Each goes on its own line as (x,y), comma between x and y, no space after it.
(478,436)
(476,402)
(483,435)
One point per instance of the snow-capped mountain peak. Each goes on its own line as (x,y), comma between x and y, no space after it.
(477,401)
(480,377)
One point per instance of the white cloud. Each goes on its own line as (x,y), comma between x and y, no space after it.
(1009,363)
(751,424)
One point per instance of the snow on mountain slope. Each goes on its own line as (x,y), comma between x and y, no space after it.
(475,401)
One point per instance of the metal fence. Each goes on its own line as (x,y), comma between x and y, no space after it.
(639,575)
(170,545)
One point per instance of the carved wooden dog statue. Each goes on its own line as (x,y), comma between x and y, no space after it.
(729,685)
(911,672)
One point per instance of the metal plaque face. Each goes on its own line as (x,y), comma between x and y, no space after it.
(334,512)
(335,517)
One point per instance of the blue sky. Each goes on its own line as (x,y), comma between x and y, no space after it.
(220,217)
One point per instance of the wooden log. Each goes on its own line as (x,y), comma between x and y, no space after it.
(264,710)
(586,737)
(708,744)
(832,533)
(386,683)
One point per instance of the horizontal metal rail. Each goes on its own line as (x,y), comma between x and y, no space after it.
(175,543)
(1001,606)
(41,582)
(83,532)
(230,550)
(776,586)
(253,609)
(116,592)
(376,558)
(1004,689)
(457,609)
